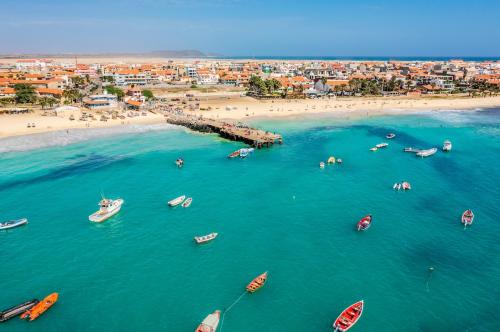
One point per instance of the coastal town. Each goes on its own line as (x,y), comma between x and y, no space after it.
(55,94)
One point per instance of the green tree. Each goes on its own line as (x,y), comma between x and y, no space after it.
(111,89)
(47,101)
(148,94)
(25,93)
(71,96)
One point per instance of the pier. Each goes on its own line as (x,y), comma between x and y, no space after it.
(255,137)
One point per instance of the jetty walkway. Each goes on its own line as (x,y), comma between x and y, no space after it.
(251,136)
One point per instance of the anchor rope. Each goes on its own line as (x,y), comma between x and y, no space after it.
(230,307)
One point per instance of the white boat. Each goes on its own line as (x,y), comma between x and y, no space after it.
(374,149)
(447,145)
(396,186)
(210,323)
(187,202)
(205,238)
(427,153)
(322,165)
(179,162)
(381,145)
(13,223)
(245,152)
(390,136)
(107,209)
(177,201)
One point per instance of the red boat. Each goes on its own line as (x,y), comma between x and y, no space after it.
(348,317)
(467,217)
(364,223)
(234,154)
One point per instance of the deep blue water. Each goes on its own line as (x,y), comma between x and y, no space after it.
(275,211)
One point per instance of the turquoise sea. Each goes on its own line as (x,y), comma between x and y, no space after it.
(275,211)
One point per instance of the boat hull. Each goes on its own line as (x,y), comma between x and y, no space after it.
(210,323)
(13,223)
(364,223)
(176,201)
(40,307)
(257,283)
(467,217)
(349,317)
(100,217)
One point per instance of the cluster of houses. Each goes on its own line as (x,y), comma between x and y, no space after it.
(51,77)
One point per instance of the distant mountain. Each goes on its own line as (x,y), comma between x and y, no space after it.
(153,54)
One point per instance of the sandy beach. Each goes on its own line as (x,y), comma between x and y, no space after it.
(241,108)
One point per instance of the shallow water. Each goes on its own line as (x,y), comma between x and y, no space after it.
(274,211)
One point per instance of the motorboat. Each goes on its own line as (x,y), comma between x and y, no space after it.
(245,152)
(406,185)
(322,165)
(187,202)
(177,201)
(413,150)
(205,238)
(234,154)
(257,283)
(447,145)
(40,307)
(381,145)
(467,217)
(13,223)
(210,323)
(12,312)
(364,223)
(331,160)
(179,162)
(374,148)
(396,186)
(349,317)
(390,136)
(107,209)
(427,153)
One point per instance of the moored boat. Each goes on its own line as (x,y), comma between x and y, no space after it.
(364,223)
(257,283)
(245,152)
(179,162)
(426,153)
(348,317)
(331,160)
(339,161)
(107,209)
(374,148)
(467,217)
(177,201)
(12,312)
(187,202)
(322,165)
(447,145)
(210,323)
(205,238)
(390,136)
(13,223)
(381,145)
(40,307)
(406,185)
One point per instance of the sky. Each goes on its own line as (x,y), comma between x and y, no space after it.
(253,27)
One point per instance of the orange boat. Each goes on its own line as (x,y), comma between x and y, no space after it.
(257,283)
(41,307)
(348,317)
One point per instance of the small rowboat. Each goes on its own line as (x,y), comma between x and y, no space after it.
(406,186)
(210,323)
(187,202)
(447,146)
(234,154)
(427,153)
(13,223)
(322,165)
(339,161)
(467,217)
(364,223)
(374,149)
(331,160)
(257,283)
(40,307)
(205,238)
(348,317)
(177,201)
(390,136)
(381,145)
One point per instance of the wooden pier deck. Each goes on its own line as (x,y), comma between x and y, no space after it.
(251,136)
